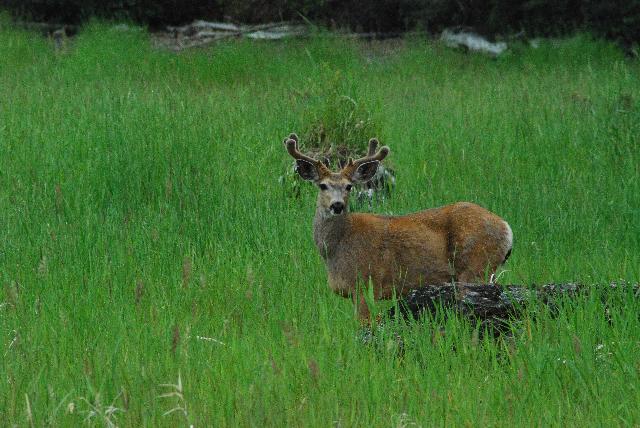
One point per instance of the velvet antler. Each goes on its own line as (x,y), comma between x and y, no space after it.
(308,167)
(373,157)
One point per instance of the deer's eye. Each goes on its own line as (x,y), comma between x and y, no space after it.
(348,187)
(323,186)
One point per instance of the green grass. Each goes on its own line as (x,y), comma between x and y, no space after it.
(140,210)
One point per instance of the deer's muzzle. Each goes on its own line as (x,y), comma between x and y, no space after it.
(337,207)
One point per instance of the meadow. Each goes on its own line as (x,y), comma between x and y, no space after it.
(156,269)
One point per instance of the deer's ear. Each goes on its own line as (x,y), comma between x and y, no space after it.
(307,170)
(365,172)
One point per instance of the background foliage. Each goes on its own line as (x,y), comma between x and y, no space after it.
(617,19)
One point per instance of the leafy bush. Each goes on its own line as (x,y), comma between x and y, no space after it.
(336,125)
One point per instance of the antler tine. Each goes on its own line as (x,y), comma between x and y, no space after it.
(292,147)
(372,155)
(373,145)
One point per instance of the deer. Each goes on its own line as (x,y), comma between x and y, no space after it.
(457,243)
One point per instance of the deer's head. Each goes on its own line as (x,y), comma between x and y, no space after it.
(335,186)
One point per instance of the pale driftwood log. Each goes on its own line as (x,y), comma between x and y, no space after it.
(202,33)
(469,40)
(494,304)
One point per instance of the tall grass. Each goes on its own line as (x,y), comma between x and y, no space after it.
(145,238)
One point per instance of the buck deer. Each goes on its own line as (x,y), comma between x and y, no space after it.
(462,242)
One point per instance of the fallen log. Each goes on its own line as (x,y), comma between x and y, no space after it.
(202,33)
(493,307)
(495,304)
(471,41)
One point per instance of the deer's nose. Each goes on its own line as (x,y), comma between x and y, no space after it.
(337,207)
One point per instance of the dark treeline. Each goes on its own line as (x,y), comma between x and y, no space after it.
(615,19)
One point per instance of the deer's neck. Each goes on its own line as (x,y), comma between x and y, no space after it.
(328,232)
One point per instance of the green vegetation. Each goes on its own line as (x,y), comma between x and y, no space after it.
(146,239)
